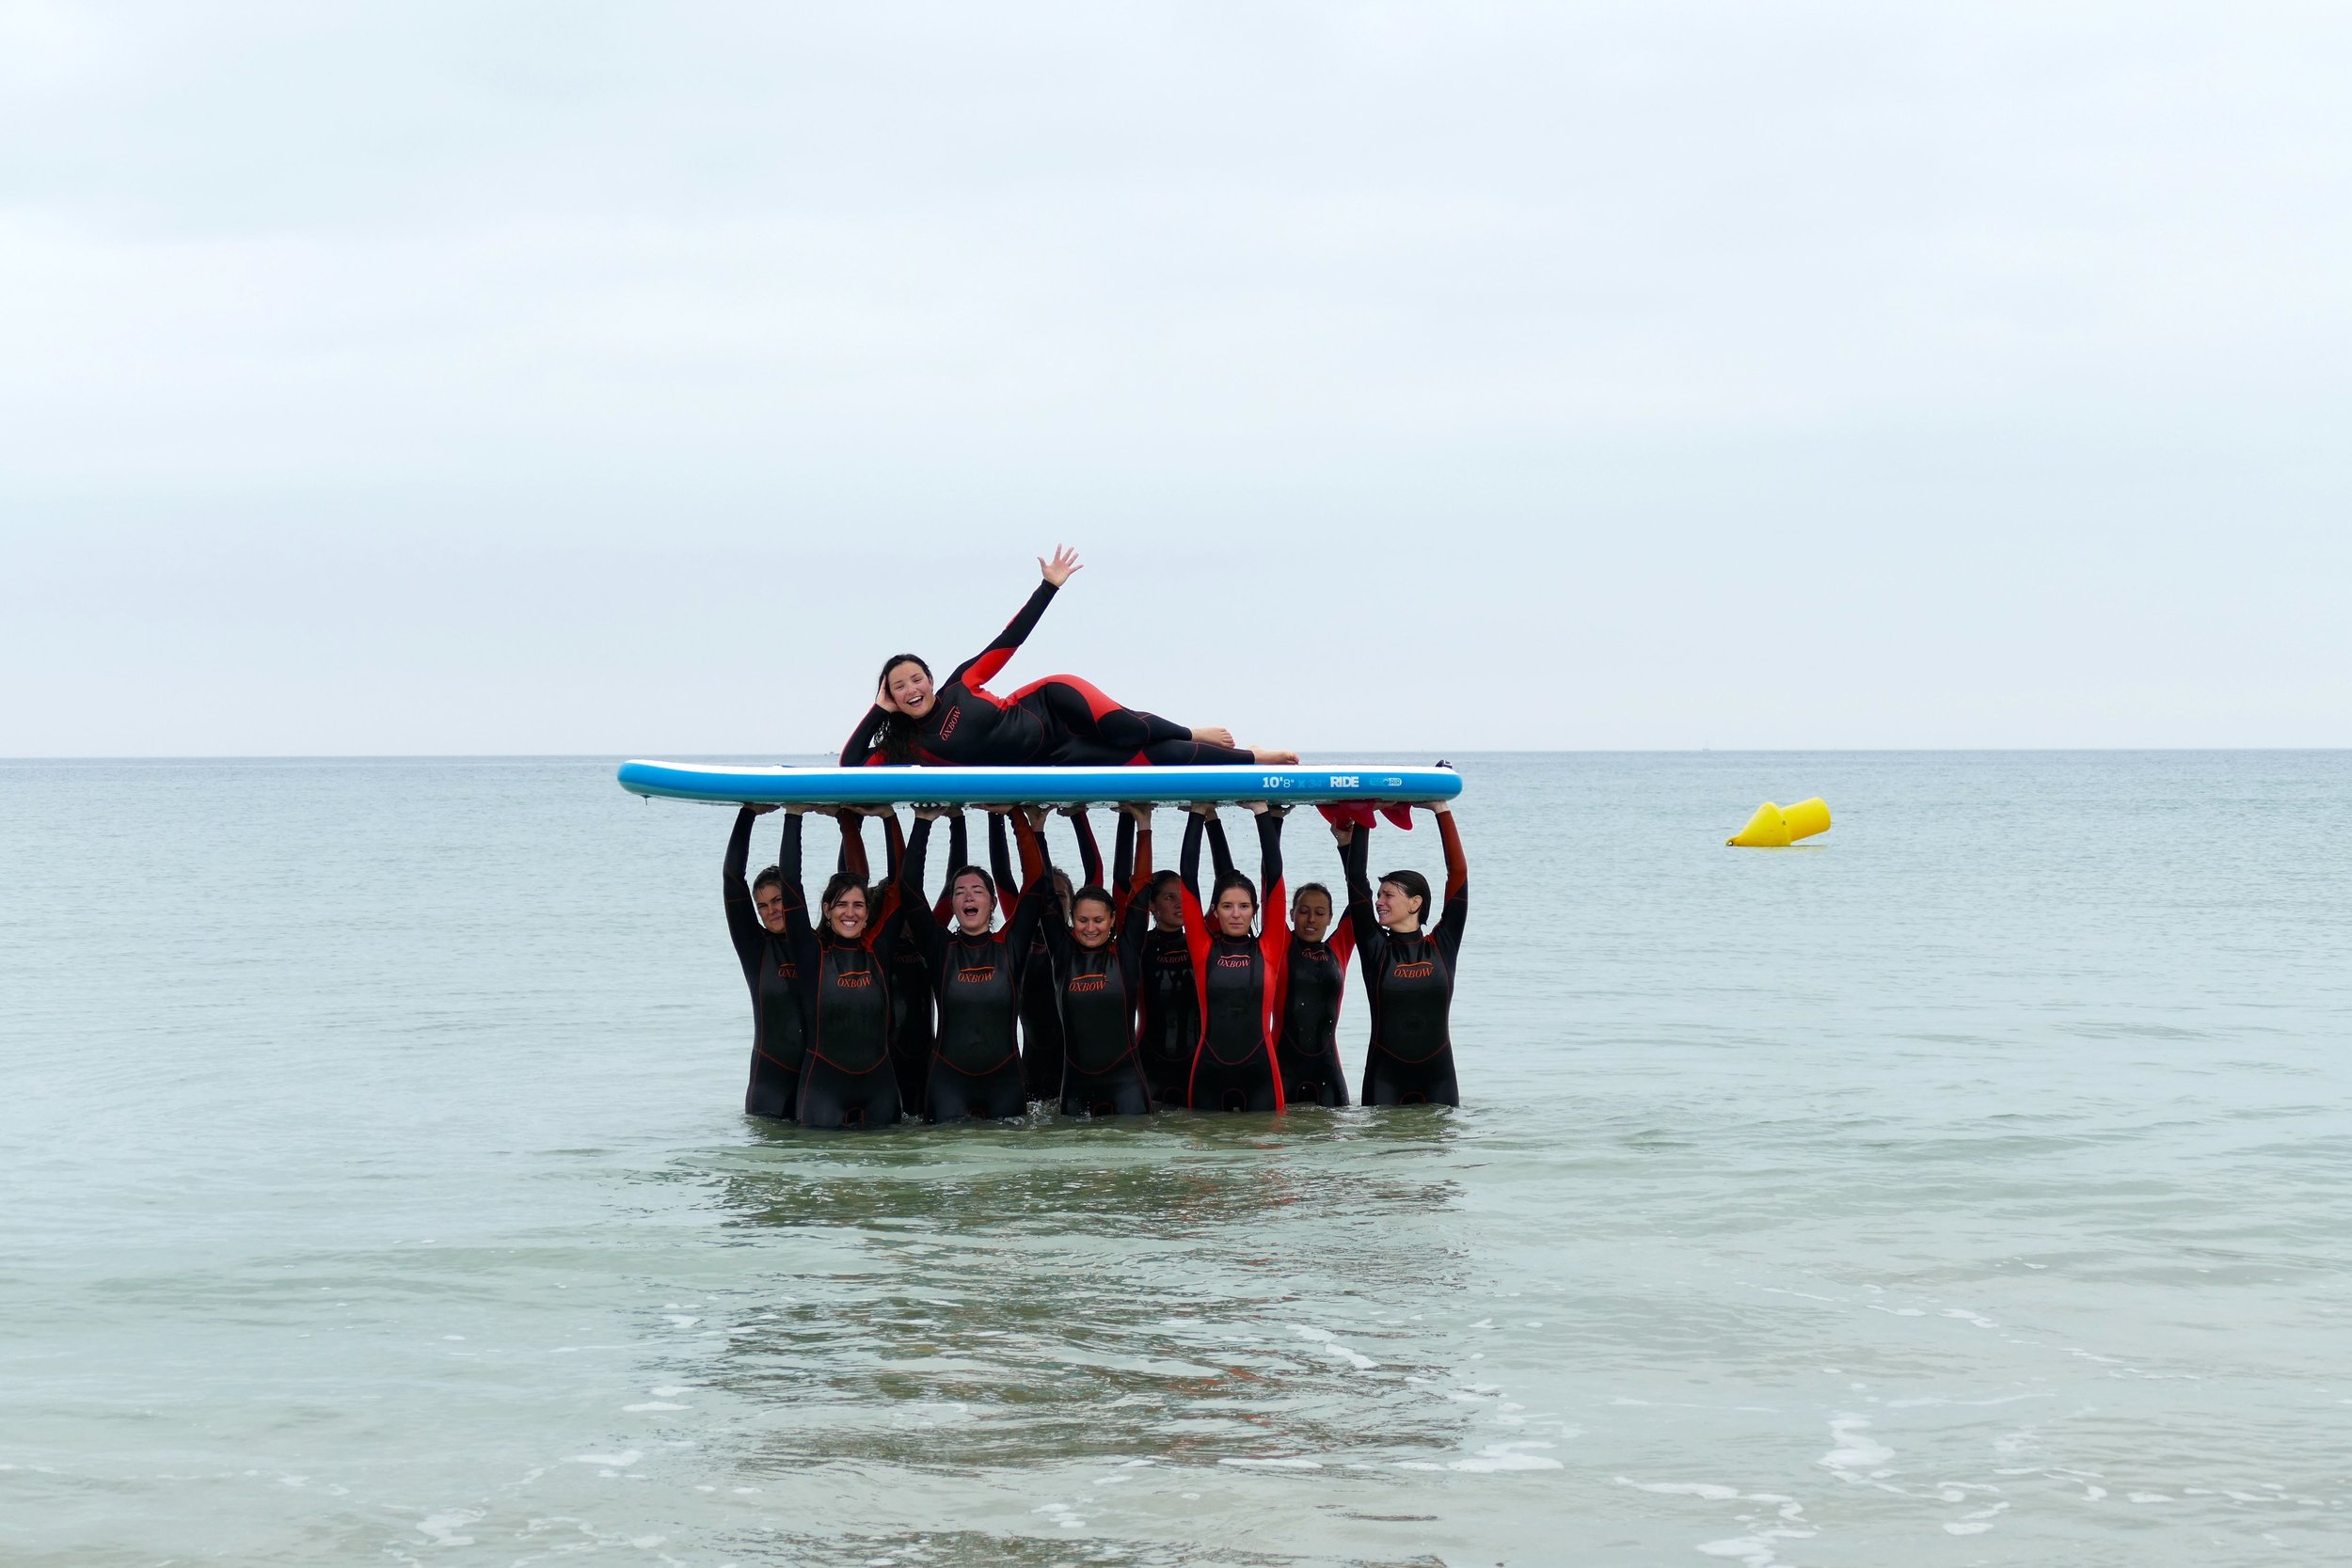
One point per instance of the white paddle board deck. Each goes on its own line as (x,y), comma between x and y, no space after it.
(1042,787)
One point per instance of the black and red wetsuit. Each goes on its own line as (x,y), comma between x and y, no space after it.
(1098,989)
(1171,1003)
(1059,721)
(976,1065)
(1309,1051)
(846,1076)
(772,970)
(910,976)
(1040,1021)
(1408,981)
(1238,981)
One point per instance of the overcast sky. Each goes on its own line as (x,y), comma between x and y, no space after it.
(630,380)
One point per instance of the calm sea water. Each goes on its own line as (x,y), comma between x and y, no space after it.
(1973,1187)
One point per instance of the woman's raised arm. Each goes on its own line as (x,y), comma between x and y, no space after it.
(983,667)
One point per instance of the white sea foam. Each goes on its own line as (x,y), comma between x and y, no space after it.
(1063,1516)
(1328,1343)
(441,1529)
(1498,1457)
(1707,1489)
(1857,1455)
(1273,1464)
(621,1461)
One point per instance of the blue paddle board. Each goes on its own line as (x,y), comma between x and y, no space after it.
(1042,787)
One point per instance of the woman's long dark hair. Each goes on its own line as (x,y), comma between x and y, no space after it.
(893,737)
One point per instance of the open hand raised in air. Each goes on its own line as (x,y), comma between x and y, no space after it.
(1059,569)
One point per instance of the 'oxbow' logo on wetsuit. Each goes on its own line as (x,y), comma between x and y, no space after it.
(1089,982)
(950,727)
(977,977)
(854,978)
(1233,961)
(1421,971)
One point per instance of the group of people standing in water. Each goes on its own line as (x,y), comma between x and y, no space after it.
(1105,998)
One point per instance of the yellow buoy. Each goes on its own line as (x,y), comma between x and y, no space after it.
(1805,819)
(1775,827)
(1766,829)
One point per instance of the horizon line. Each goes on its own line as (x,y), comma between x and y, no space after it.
(1338,753)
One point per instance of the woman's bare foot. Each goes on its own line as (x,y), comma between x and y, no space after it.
(1265,755)
(1214,735)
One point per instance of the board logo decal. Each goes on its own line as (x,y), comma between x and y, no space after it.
(1347,781)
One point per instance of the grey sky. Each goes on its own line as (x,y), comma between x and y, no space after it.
(564,377)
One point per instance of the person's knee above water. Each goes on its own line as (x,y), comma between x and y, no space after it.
(1409,971)
(977,972)
(761,933)
(1098,972)
(1308,1051)
(1237,974)
(845,1074)
(1059,721)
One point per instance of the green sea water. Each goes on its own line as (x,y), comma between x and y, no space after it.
(1972,1186)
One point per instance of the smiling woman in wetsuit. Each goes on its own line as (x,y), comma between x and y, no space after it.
(1171,1003)
(1098,974)
(1236,974)
(1059,722)
(757,925)
(760,927)
(845,1075)
(1409,971)
(1307,1052)
(977,971)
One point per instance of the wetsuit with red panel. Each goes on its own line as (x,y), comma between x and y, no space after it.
(773,974)
(976,1065)
(1408,981)
(846,1076)
(910,976)
(1040,1020)
(1238,981)
(1098,989)
(1060,720)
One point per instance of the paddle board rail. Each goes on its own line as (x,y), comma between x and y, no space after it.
(1044,786)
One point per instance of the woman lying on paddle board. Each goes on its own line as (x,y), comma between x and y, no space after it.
(1059,722)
